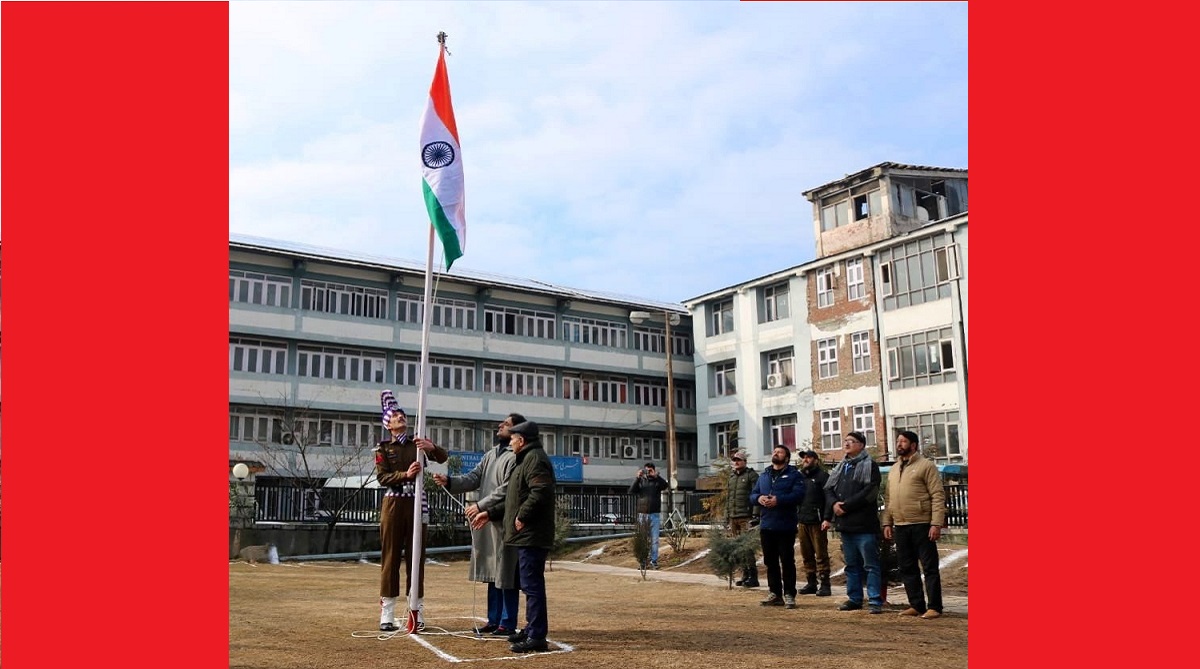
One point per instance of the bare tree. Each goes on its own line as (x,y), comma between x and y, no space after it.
(299,449)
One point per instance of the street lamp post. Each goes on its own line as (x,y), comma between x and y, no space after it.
(670,319)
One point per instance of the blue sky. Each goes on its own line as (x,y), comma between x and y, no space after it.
(653,149)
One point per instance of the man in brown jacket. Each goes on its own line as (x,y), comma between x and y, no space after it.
(397,467)
(914,516)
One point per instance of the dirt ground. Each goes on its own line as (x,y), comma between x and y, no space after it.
(313,615)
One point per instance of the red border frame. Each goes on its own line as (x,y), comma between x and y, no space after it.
(115,205)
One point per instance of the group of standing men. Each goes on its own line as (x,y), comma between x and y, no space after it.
(512,523)
(786,501)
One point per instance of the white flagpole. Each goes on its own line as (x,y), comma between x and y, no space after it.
(418,539)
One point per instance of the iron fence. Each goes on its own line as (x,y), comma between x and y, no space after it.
(292,504)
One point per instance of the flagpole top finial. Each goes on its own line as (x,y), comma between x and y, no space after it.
(441,38)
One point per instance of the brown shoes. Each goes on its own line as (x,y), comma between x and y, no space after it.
(910,611)
(931,614)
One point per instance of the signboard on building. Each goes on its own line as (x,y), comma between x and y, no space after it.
(567,468)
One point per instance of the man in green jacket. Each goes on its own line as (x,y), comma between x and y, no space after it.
(740,512)
(529,525)
(916,508)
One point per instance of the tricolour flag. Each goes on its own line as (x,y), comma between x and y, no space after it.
(442,160)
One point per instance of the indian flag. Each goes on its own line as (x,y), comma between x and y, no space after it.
(443,166)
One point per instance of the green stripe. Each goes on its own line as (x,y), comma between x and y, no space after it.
(441,224)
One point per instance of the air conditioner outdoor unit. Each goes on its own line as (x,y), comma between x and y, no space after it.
(629,451)
(776,380)
(288,439)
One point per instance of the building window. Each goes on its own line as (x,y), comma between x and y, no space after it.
(685,450)
(938,432)
(586,445)
(338,298)
(520,322)
(654,394)
(831,429)
(782,431)
(453,435)
(253,426)
(341,364)
(595,389)
(725,438)
(825,287)
(528,381)
(864,421)
(917,272)
(408,370)
(860,351)
(855,286)
(721,318)
(921,358)
(270,290)
(685,396)
(589,331)
(260,357)
(827,366)
(867,203)
(447,313)
(651,340)
(650,393)
(779,367)
(835,215)
(723,382)
(774,304)
(450,374)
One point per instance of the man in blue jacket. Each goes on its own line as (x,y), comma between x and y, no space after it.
(778,491)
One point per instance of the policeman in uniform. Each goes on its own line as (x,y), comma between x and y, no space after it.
(397,468)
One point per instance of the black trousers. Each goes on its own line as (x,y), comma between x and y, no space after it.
(913,545)
(779,555)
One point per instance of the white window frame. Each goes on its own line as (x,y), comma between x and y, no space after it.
(721,319)
(257,356)
(270,290)
(722,438)
(450,374)
(856,287)
(323,362)
(827,362)
(825,287)
(775,302)
(610,390)
(454,435)
(779,428)
(781,362)
(528,381)
(519,322)
(946,262)
(343,299)
(725,378)
(864,421)
(831,429)
(596,332)
(860,351)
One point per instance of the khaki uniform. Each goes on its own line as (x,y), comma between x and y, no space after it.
(392,459)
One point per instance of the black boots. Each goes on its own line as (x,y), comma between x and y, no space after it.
(811,588)
(823,591)
(749,578)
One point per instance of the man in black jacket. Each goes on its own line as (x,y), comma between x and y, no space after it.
(648,486)
(852,501)
(814,542)
(529,525)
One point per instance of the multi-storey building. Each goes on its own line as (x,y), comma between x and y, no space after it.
(315,335)
(870,336)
